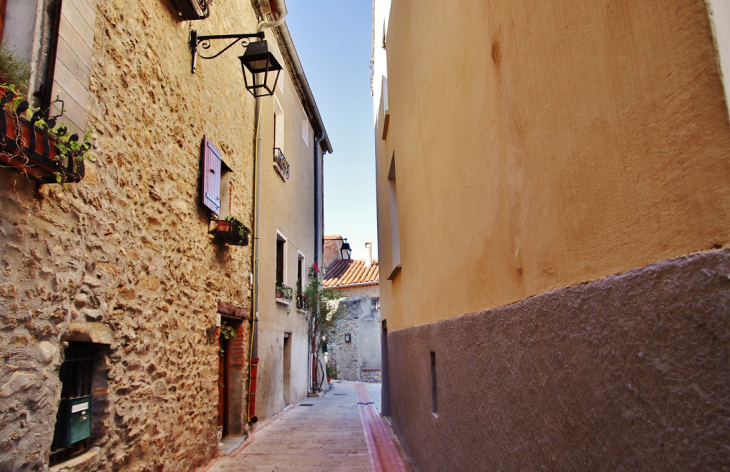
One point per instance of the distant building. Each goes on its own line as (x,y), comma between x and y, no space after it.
(354,347)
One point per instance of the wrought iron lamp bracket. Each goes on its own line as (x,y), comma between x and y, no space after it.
(205,43)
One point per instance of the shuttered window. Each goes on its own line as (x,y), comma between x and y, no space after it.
(2,18)
(212,163)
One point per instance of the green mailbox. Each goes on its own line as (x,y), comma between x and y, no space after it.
(80,418)
(74,417)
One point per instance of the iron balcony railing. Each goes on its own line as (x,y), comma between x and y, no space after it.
(281,162)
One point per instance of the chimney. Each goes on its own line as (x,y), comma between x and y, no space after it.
(369,261)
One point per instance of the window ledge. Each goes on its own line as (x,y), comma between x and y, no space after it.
(283,301)
(280,172)
(394,272)
(303,312)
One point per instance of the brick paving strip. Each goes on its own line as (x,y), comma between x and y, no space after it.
(341,432)
(384,457)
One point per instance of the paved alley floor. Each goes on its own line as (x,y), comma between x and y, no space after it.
(341,431)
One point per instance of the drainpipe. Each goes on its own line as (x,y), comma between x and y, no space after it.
(254,355)
(317,189)
(278,13)
(317,238)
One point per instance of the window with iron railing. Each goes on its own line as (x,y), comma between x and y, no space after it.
(281,164)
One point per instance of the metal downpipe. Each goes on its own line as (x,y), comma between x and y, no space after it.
(254,354)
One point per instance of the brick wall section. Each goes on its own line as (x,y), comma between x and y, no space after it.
(239,349)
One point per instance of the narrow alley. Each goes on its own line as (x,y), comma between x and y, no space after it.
(341,430)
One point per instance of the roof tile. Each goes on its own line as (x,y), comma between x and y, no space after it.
(349,272)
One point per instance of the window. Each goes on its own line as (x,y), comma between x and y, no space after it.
(57,40)
(300,273)
(278,124)
(394,222)
(280,259)
(305,131)
(281,165)
(384,107)
(2,17)
(434,390)
(376,303)
(80,415)
(216,188)
(284,293)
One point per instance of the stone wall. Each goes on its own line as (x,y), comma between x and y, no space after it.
(359,360)
(126,253)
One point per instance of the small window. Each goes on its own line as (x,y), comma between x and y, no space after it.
(394,221)
(300,273)
(281,165)
(376,303)
(278,125)
(280,260)
(79,418)
(305,131)
(434,389)
(215,178)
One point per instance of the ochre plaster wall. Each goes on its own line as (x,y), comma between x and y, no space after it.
(128,248)
(539,145)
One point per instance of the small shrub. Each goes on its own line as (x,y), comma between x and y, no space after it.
(14,71)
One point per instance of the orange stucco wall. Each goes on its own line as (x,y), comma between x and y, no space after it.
(540,145)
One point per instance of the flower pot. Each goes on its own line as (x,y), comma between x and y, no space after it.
(32,151)
(232,232)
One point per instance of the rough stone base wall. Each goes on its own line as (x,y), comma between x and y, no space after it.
(625,373)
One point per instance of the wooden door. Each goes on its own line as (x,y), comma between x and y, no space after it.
(223,376)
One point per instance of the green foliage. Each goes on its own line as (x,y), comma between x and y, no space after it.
(14,72)
(239,225)
(332,372)
(15,76)
(322,309)
(227,332)
(285,291)
(69,146)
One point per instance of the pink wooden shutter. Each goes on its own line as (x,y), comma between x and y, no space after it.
(211,176)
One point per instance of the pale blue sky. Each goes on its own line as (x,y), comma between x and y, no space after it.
(333,40)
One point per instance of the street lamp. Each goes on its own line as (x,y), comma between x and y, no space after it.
(345,250)
(258,61)
(260,67)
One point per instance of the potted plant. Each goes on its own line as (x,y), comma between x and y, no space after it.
(230,230)
(284,292)
(37,147)
(331,373)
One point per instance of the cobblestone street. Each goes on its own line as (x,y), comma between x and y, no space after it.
(341,431)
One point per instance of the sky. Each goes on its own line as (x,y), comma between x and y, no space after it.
(334,39)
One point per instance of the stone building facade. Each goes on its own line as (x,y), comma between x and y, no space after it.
(354,343)
(119,272)
(553,232)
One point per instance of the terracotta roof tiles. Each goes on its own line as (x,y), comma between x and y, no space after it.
(350,272)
